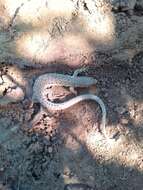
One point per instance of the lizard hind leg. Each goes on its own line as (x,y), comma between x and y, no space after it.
(36,118)
(75,74)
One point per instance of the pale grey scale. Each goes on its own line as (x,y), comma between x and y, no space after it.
(64,105)
(54,79)
(61,106)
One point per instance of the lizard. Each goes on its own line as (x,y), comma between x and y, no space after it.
(45,81)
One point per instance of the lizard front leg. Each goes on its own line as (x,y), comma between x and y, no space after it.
(78,71)
(75,74)
(37,118)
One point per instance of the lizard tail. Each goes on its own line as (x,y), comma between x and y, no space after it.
(61,106)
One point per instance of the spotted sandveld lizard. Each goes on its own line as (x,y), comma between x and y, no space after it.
(45,81)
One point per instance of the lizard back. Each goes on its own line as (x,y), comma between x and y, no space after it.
(53,79)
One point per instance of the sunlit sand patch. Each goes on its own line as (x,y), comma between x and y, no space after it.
(99,24)
(124,150)
(38,13)
(4,19)
(42,12)
(61,6)
(67,178)
(103,26)
(32,46)
(11,6)
(39,47)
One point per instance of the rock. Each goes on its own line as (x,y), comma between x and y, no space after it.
(14,95)
(10,91)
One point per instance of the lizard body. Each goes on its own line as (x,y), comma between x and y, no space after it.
(45,81)
(53,79)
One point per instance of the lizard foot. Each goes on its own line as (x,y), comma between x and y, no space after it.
(37,118)
(58,93)
(72,89)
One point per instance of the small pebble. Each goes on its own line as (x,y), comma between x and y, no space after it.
(128,82)
(117,84)
(132,113)
(106,95)
(1,81)
(103,89)
(124,121)
(1,169)
(50,149)
(91,178)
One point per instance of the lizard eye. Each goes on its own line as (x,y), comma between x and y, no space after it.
(49,87)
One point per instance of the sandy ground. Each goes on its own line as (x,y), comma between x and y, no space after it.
(64,147)
(65,150)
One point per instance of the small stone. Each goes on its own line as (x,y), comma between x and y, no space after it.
(124,121)
(13,95)
(1,169)
(91,178)
(106,95)
(1,81)
(128,82)
(117,84)
(103,89)
(132,113)
(50,149)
